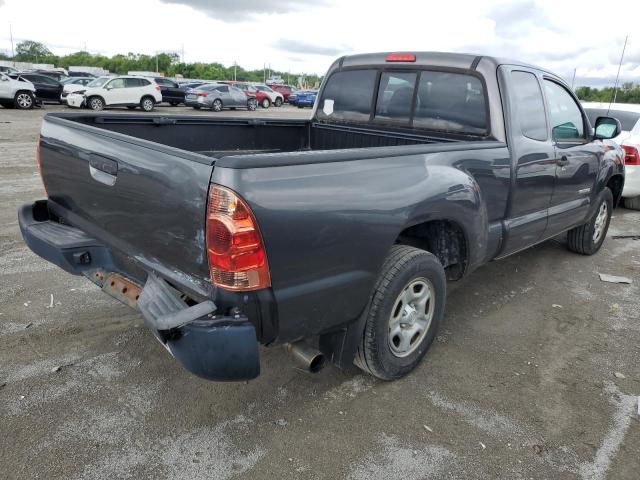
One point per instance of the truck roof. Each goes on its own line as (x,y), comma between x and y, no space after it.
(441,59)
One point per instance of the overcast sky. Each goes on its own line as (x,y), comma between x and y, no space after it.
(306,35)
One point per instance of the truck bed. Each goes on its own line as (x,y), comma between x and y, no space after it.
(223,137)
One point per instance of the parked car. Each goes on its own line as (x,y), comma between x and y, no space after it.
(285,90)
(306,98)
(629,139)
(74,84)
(293,98)
(263,98)
(219,96)
(8,70)
(170,90)
(277,99)
(122,91)
(81,74)
(186,86)
(334,235)
(47,89)
(18,93)
(55,74)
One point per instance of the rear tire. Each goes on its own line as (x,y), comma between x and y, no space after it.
(216,106)
(23,100)
(589,237)
(632,203)
(404,314)
(95,103)
(147,104)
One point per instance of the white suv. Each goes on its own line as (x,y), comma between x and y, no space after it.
(277,98)
(130,92)
(16,93)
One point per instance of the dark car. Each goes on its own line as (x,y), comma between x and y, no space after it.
(82,74)
(56,75)
(306,98)
(47,89)
(336,235)
(172,93)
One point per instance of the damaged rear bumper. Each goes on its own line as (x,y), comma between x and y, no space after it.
(223,348)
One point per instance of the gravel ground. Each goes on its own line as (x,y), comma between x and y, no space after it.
(535,374)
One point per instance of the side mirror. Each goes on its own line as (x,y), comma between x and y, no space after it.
(607,128)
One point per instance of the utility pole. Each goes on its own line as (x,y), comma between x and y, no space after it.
(615,87)
(157,70)
(235,68)
(13,53)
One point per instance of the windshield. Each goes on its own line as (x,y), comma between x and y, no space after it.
(263,88)
(98,82)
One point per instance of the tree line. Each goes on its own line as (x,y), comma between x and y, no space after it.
(167,63)
(627,93)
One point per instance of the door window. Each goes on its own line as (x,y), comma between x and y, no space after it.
(117,83)
(527,97)
(567,122)
(223,89)
(133,82)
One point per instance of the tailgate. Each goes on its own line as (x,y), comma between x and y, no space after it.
(143,200)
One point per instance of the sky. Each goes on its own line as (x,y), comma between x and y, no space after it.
(305,36)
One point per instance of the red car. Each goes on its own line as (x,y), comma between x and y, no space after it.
(264,100)
(285,90)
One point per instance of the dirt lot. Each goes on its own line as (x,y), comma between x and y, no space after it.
(536,374)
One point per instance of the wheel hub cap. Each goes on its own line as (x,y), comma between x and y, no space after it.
(600,223)
(411,317)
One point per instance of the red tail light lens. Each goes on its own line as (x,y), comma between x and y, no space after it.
(631,155)
(202,94)
(237,259)
(158,88)
(401,57)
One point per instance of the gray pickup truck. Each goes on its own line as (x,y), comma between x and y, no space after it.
(334,236)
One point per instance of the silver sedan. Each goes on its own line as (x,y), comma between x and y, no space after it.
(219,96)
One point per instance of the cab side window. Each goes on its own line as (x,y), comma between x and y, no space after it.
(527,97)
(567,123)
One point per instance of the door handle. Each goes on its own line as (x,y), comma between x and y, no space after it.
(563,161)
(103,169)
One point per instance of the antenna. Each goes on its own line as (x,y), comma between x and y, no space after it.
(13,53)
(615,87)
(573,80)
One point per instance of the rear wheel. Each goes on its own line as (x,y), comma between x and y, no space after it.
(266,103)
(147,104)
(95,103)
(589,237)
(278,102)
(216,106)
(404,314)
(252,104)
(632,203)
(23,100)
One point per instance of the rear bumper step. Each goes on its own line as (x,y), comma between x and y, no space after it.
(214,347)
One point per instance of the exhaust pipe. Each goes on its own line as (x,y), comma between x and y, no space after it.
(308,357)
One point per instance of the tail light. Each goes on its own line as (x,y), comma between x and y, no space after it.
(158,88)
(40,164)
(202,94)
(237,258)
(631,155)
(401,57)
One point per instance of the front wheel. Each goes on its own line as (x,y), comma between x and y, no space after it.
(265,103)
(252,104)
(589,237)
(23,100)
(96,103)
(216,106)
(404,314)
(147,104)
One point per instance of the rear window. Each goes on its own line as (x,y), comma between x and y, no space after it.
(444,101)
(627,119)
(348,96)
